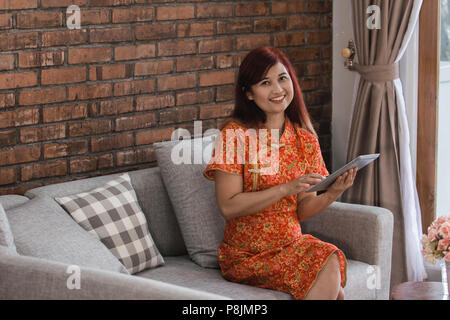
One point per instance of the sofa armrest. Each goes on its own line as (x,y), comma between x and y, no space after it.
(363,233)
(23,277)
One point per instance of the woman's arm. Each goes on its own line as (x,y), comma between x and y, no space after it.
(234,202)
(309,205)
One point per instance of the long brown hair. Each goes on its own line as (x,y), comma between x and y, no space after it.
(252,70)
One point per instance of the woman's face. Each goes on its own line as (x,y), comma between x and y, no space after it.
(275,92)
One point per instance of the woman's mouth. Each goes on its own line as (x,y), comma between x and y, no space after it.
(279,99)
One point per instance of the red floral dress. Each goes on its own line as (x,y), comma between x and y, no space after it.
(267,249)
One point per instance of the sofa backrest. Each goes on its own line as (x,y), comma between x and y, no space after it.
(152,197)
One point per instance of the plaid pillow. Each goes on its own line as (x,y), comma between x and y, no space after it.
(112,214)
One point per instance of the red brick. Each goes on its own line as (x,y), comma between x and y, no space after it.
(135,122)
(136,156)
(65,149)
(270,25)
(318,37)
(184,81)
(176,48)
(38,20)
(93,163)
(153,67)
(214,11)
(252,42)
(8,176)
(20,155)
(7,100)
(234,26)
(6,21)
(216,78)
(63,75)
(94,17)
(194,63)
(91,91)
(51,132)
(21,117)
(8,138)
(303,22)
(17,4)
(40,59)
(44,170)
(18,80)
(154,102)
(304,54)
(63,113)
(318,6)
(110,72)
(18,41)
(310,84)
(134,87)
(137,14)
(6,62)
(64,38)
(216,111)
(225,61)
(118,141)
(195,97)
(62,3)
(195,29)
(155,31)
(175,12)
(283,7)
(216,45)
(154,135)
(42,96)
(88,55)
(111,107)
(87,128)
(141,51)
(251,9)
(225,93)
(107,3)
(289,39)
(177,115)
(110,34)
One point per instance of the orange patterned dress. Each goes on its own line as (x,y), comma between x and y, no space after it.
(267,249)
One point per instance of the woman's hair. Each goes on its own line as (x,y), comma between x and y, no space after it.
(252,70)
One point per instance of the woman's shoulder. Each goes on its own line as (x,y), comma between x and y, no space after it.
(304,134)
(233,123)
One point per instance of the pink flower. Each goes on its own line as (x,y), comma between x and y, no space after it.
(432,234)
(447,256)
(443,245)
(444,230)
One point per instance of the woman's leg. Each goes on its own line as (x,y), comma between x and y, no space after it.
(328,282)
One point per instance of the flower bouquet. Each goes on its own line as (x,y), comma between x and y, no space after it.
(436,245)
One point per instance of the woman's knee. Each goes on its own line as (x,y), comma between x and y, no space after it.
(332,268)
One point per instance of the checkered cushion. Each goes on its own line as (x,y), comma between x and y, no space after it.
(112,214)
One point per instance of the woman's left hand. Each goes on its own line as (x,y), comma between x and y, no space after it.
(342,183)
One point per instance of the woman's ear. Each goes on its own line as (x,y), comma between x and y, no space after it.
(249,95)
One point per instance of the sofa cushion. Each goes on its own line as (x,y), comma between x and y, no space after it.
(10,201)
(6,236)
(153,200)
(112,213)
(42,229)
(192,196)
(182,272)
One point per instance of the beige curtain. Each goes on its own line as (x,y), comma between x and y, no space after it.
(378,125)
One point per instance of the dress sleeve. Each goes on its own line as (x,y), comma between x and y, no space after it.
(314,158)
(227,155)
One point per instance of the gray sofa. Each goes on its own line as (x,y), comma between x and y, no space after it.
(364,234)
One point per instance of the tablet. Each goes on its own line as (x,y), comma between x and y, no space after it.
(359,163)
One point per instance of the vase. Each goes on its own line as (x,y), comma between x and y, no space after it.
(446,275)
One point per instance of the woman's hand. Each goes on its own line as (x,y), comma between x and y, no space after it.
(342,183)
(302,183)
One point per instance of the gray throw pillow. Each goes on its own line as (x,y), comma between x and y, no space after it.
(113,215)
(42,229)
(193,197)
(6,236)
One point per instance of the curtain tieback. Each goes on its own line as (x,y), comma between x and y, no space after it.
(377,73)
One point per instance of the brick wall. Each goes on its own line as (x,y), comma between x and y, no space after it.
(92,101)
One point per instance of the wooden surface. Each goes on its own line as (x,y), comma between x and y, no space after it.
(419,291)
(428,88)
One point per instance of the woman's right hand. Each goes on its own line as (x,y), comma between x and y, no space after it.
(302,183)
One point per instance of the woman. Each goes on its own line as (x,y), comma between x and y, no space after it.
(263,244)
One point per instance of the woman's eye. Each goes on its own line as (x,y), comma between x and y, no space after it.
(283,78)
(264,82)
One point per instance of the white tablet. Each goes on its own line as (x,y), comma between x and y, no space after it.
(359,163)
